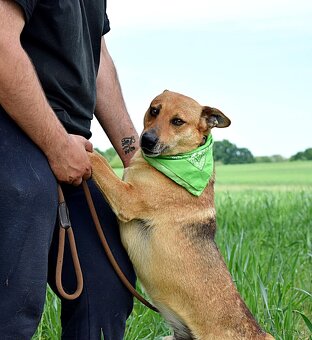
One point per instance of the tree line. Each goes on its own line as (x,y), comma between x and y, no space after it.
(227,153)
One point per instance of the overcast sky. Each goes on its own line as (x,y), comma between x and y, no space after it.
(250,59)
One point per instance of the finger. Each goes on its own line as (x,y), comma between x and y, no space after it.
(74,180)
(88,146)
(87,174)
(85,142)
(77,181)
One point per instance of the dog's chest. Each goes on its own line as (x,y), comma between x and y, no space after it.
(135,236)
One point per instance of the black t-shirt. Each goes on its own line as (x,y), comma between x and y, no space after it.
(63,39)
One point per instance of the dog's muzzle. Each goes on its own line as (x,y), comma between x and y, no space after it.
(149,141)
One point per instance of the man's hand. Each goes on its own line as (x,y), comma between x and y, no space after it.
(70,163)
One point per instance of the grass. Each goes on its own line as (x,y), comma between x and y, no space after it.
(267,176)
(265,235)
(266,241)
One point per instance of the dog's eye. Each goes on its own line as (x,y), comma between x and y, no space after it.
(177,121)
(154,111)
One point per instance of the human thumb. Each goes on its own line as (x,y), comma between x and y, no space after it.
(88,146)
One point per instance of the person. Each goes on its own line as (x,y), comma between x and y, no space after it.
(55,74)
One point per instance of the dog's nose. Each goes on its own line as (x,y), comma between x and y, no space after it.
(149,140)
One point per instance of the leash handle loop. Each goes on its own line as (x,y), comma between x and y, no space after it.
(63,215)
(65,228)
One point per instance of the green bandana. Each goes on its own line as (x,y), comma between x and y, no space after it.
(192,170)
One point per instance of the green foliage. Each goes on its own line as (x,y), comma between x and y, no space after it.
(263,159)
(302,156)
(269,159)
(265,238)
(144,323)
(116,162)
(277,158)
(113,159)
(229,153)
(109,154)
(50,326)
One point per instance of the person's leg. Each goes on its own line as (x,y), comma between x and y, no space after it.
(28,206)
(105,303)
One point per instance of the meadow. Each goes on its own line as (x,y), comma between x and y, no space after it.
(264,215)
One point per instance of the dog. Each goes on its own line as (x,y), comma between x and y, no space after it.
(169,231)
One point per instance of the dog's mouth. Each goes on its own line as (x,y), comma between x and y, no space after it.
(151,145)
(155,151)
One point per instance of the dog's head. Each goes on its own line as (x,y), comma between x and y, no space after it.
(176,124)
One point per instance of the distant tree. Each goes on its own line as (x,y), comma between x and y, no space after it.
(229,153)
(116,162)
(305,155)
(263,159)
(112,157)
(109,154)
(270,159)
(278,158)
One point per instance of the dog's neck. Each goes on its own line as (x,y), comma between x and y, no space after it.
(191,170)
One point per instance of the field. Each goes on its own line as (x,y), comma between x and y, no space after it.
(281,176)
(265,235)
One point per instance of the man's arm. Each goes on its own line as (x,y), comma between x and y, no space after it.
(111,110)
(23,99)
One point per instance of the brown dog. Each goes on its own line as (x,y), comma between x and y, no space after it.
(169,233)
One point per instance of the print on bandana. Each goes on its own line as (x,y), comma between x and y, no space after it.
(198,160)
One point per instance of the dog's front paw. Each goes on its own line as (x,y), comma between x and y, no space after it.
(171,337)
(96,157)
(98,162)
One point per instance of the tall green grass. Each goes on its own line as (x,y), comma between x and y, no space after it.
(267,176)
(266,241)
(265,237)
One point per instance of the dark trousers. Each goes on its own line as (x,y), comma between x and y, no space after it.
(28,247)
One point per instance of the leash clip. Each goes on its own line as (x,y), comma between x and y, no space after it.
(63,216)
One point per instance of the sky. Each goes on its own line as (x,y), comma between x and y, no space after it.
(251,59)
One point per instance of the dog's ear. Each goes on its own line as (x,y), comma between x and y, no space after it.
(214,118)
(165,91)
